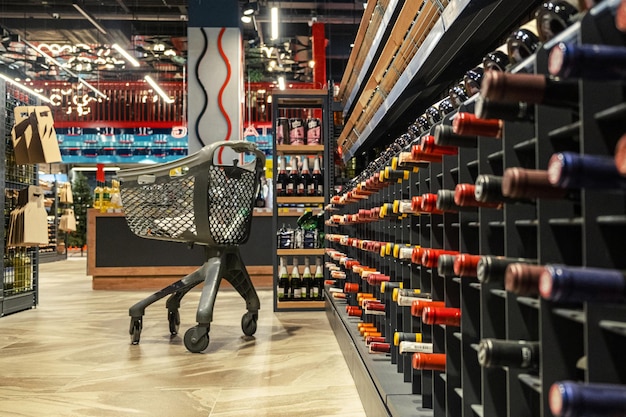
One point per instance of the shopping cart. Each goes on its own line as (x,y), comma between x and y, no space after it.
(197,201)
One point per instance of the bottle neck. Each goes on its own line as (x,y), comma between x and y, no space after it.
(316,166)
(305,165)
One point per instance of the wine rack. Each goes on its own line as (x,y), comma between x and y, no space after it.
(575,341)
(303,105)
(20,265)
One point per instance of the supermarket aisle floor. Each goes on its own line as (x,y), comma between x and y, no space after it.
(71,356)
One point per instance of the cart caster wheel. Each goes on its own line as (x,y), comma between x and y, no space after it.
(173,317)
(135,330)
(248,323)
(196,339)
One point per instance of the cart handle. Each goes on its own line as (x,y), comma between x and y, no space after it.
(203,155)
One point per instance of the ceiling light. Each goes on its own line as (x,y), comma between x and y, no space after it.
(23,87)
(274,23)
(246,19)
(89,17)
(250,8)
(158,90)
(128,57)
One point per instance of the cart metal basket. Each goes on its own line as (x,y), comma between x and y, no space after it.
(198,201)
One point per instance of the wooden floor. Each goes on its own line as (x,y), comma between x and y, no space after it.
(71,356)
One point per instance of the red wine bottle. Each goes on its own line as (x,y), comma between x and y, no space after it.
(282,178)
(305,178)
(294,178)
(529,184)
(530,88)
(523,279)
(448,316)
(317,180)
(523,42)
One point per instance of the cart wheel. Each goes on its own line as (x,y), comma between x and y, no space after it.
(135,330)
(196,339)
(248,323)
(173,317)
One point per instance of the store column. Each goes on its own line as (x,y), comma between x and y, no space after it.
(215,65)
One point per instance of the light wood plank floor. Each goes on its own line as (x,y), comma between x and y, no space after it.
(71,356)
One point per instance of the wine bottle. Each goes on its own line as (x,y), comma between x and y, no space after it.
(497,60)
(294,178)
(445,105)
(433,115)
(374,339)
(283,281)
(295,284)
(379,348)
(282,178)
(406,337)
(489,189)
(445,265)
(517,354)
(447,316)
(305,180)
(429,361)
(458,94)
(576,399)
(523,279)
(572,170)
(316,188)
(318,280)
(446,203)
(529,184)
(465,196)
(430,257)
(412,347)
(473,80)
(493,268)
(427,145)
(405,297)
(530,88)
(467,124)
(553,17)
(600,62)
(418,306)
(523,42)
(306,281)
(561,283)
(466,265)
(485,108)
(445,136)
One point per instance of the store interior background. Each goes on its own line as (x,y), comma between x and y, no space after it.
(134,125)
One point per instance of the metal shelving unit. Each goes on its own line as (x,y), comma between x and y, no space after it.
(583,342)
(300,103)
(20,265)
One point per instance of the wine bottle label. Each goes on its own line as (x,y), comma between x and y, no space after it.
(297,293)
(281,292)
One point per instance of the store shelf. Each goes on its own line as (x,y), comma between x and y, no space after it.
(297,200)
(300,305)
(299,149)
(297,252)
